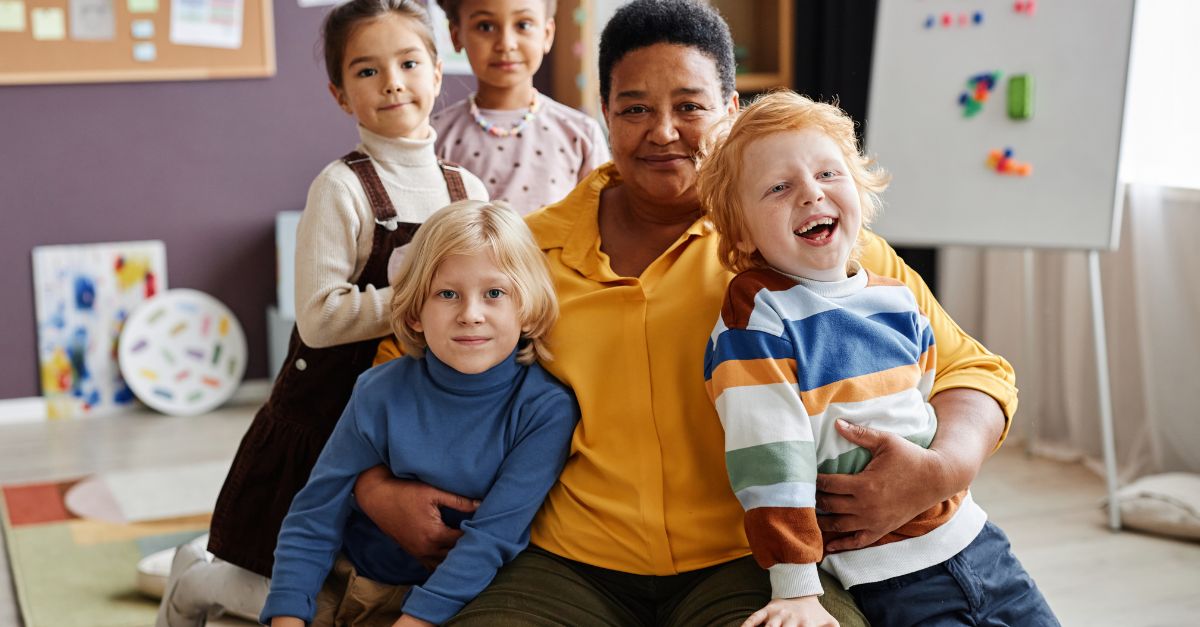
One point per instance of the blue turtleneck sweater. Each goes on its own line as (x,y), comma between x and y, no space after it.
(501,436)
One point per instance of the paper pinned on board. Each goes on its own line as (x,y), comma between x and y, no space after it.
(92,20)
(12,16)
(142,29)
(209,23)
(49,23)
(145,51)
(142,6)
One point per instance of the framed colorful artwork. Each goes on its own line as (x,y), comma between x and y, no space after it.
(83,295)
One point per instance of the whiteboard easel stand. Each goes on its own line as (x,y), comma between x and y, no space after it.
(1031,428)
(1106,417)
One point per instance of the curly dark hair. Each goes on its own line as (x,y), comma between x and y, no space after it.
(643,23)
(451,7)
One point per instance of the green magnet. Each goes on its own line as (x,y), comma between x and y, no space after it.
(1020,96)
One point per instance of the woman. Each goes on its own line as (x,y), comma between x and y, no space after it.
(642,527)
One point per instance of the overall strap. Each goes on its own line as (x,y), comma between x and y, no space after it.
(452,172)
(381,204)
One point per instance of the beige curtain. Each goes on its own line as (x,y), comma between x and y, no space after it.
(1151,288)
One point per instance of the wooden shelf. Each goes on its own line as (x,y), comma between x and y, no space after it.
(762,37)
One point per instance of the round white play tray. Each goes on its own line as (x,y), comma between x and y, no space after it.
(182,352)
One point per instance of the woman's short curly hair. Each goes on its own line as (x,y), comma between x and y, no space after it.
(643,23)
(724,150)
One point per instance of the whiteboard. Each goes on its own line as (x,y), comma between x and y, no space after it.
(943,191)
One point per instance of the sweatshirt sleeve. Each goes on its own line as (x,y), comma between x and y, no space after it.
(330,308)
(770,453)
(499,530)
(311,535)
(962,362)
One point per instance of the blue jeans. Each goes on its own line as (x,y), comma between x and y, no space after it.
(983,585)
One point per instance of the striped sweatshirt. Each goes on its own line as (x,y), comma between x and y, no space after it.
(786,359)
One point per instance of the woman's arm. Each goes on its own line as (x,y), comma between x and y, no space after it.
(408,512)
(902,480)
(974,396)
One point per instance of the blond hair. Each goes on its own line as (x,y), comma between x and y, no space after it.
(472,227)
(726,145)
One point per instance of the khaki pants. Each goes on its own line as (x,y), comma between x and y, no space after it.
(350,600)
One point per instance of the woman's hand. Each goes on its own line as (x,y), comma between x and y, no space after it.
(798,612)
(902,479)
(407,511)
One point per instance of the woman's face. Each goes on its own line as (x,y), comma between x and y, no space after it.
(663,99)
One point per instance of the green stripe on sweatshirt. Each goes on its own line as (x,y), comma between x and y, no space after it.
(768,464)
(853,461)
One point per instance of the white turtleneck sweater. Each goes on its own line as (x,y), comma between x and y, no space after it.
(333,240)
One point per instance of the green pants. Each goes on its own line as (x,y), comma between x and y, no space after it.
(540,588)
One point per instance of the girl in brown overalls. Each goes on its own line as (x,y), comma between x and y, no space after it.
(383,70)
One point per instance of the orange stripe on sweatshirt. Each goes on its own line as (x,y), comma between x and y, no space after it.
(928,360)
(746,372)
(861,388)
(787,535)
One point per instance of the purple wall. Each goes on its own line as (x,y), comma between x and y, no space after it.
(203,166)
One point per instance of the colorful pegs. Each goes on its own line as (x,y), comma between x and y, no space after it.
(948,19)
(1002,162)
(1026,7)
(979,87)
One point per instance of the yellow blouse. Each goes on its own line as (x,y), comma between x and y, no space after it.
(644,490)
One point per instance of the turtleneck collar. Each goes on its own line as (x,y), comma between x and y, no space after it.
(399,150)
(498,376)
(836,289)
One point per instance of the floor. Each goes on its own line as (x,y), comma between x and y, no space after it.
(1049,509)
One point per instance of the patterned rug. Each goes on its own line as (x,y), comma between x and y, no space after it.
(71,570)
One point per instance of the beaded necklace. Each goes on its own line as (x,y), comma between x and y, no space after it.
(492,129)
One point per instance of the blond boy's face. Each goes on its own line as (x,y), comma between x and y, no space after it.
(505,40)
(800,204)
(470,320)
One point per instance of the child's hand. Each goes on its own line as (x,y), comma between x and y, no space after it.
(286,621)
(797,612)
(409,621)
(407,511)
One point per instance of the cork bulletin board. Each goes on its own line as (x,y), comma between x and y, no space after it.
(91,41)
